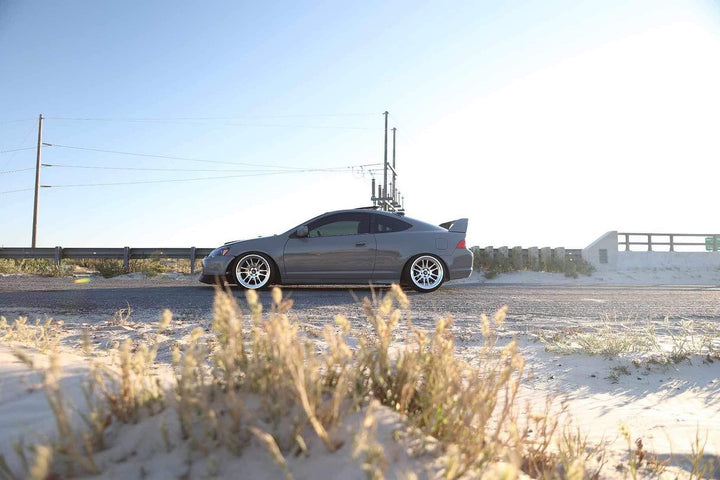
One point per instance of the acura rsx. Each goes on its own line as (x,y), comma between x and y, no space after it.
(357,246)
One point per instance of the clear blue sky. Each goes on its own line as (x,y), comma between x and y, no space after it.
(546,123)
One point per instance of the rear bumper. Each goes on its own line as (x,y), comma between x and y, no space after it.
(461,264)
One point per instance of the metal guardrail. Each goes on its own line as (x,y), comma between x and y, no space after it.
(710,240)
(125,253)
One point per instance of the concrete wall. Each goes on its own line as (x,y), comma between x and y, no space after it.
(603,254)
(695,260)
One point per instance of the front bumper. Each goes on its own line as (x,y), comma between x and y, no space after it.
(215,269)
(213,279)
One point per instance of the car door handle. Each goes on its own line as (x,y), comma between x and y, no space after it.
(360,244)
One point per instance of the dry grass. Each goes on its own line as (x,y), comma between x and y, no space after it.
(257,377)
(108,268)
(42,335)
(34,266)
(663,343)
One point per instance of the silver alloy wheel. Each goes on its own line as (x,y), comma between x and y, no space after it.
(253,271)
(426,273)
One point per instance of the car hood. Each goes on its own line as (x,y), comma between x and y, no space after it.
(233,242)
(251,241)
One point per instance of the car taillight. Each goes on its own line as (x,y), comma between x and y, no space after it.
(461,244)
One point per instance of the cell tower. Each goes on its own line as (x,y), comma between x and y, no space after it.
(386,196)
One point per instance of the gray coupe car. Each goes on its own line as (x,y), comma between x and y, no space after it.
(357,246)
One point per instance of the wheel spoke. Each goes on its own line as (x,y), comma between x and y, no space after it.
(426,273)
(253,271)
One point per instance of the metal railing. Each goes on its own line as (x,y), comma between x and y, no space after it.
(125,253)
(650,240)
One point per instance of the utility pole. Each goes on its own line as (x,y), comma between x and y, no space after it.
(383,195)
(394,182)
(384,198)
(37,183)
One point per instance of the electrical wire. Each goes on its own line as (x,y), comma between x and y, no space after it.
(15,191)
(170,157)
(19,120)
(19,170)
(229,121)
(201,118)
(6,159)
(17,149)
(329,169)
(144,182)
(266,173)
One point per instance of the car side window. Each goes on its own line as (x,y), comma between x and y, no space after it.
(339,224)
(385,224)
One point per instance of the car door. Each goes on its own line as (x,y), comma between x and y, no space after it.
(393,244)
(338,248)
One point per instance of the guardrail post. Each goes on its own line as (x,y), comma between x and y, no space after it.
(649,242)
(58,255)
(490,254)
(545,254)
(126,259)
(192,260)
(517,258)
(533,258)
(715,243)
(560,257)
(672,243)
(502,255)
(627,242)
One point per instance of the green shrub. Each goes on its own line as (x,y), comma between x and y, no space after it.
(34,266)
(107,267)
(500,264)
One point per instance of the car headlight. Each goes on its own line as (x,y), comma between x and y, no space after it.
(221,251)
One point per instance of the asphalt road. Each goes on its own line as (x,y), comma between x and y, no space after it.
(529,306)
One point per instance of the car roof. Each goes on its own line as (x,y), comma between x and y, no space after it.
(412,221)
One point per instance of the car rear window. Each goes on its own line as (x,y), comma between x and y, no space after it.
(385,224)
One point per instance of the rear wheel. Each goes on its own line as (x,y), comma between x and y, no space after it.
(425,273)
(253,271)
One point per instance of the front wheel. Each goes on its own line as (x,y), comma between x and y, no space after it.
(425,273)
(253,271)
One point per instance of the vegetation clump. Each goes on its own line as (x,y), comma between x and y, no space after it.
(255,378)
(106,267)
(495,264)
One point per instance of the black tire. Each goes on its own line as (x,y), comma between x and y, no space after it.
(253,271)
(424,273)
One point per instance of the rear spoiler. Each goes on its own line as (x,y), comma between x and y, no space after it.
(459,225)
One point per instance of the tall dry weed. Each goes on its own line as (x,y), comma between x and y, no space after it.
(256,374)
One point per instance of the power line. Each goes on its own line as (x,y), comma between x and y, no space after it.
(170,157)
(17,121)
(230,121)
(17,149)
(174,180)
(7,159)
(15,191)
(154,169)
(19,170)
(329,169)
(201,118)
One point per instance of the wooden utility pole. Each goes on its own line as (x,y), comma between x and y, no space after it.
(37,184)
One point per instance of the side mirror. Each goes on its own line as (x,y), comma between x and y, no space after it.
(302,232)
